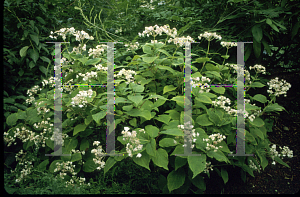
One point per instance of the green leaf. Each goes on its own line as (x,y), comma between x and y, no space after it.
(40,20)
(274,27)
(34,55)
(199,182)
(257,85)
(203,120)
(197,164)
(92,61)
(218,156)
(167,142)
(12,119)
(204,99)
(257,131)
(79,128)
(164,52)
(97,117)
(35,38)
(202,59)
(161,158)
(143,161)
(90,166)
(179,162)
(266,46)
(150,148)
(257,32)
(45,59)
(273,107)
(31,64)
(21,72)
(152,131)
(224,175)
(225,56)
(219,90)
(168,88)
(173,132)
(261,98)
(84,144)
(257,48)
(109,163)
(71,144)
(149,59)
(137,100)
(76,157)
(23,51)
(211,67)
(213,117)
(147,50)
(43,69)
(295,29)
(280,161)
(166,68)
(268,21)
(176,179)
(42,166)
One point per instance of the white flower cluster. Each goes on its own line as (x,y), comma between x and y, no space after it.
(30,93)
(212,145)
(40,110)
(193,135)
(127,74)
(59,137)
(99,154)
(209,36)
(100,67)
(158,31)
(148,5)
(26,166)
(80,35)
(280,87)
(67,166)
(259,68)
(204,87)
(133,46)
(96,53)
(255,113)
(285,152)
(25,135)
(134,143)
(253,166)
(155,41)
(228,44)
(87,76)
(80,98)
(79,49)
(208,167)
(222,100)
(237,69)
(181,41)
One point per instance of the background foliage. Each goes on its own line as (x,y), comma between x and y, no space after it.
(273,26)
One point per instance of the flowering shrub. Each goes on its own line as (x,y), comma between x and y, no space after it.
(213,122)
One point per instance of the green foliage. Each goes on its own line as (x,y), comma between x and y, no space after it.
(160,72)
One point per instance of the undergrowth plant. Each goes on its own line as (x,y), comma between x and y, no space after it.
(149,114)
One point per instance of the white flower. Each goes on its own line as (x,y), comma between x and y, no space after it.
(139,155)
